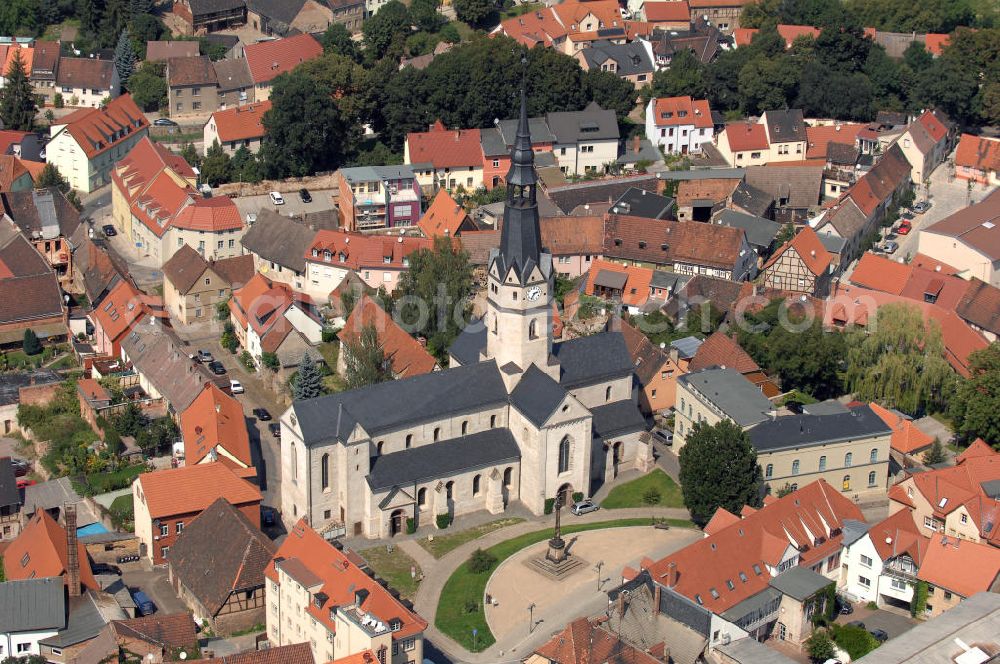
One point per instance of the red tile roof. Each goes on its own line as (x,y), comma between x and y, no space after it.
(722,519)
(148,180)
(569,236)
(977,450)
(213,215)
(881,273)
(241,123)
(268,59)
(444,217)
(10,137)
(215,419)
(906,437)
(898,535)
(305,552)
(585,642)
(407,355)
(191,489)
(97,130)
(674,11)
(11,170)
(539,27)
(760,538)
(933,125)
(809,248)
(978,152)
(792,32)
(636,290)
(358,250)
(41,550)
(720,350)
(818,138)
(260,303)
(681,110)
(961,566)
(745,136)
(935,42)
(851,305)
(9,53)
(445,148)
(296,653)
(119,310)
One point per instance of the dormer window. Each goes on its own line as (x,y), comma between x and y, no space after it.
(327,256)
(315,253)
(343,257)
(395,624)
(387,260)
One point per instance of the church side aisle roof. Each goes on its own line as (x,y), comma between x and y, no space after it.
(588,360)
(443,459)
(537,395)
(617,418)
(395,403)
(469,343)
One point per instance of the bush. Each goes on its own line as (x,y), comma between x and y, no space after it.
(329,334)
(820,647)
(919,603)
(443,520)
(481,561)
(270,360)
(246,359)
(856,641)
(121,512)
(411,526)
(651,496)
(550,504)
(872,606)
(57,101)
(577,496)
(471,606)
(31,344)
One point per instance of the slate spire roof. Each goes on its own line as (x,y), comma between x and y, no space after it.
(521,236)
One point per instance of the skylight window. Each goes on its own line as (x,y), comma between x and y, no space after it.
(743,577)
(714,592)
(697,598)
(756,569)
(943,502)
(730,584)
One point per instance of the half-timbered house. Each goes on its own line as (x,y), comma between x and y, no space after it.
(801,265)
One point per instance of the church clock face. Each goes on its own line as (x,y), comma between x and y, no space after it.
(533,293)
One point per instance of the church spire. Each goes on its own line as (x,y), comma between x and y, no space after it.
(520,237)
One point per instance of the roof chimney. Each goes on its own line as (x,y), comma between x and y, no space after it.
(72,551)
(671,575)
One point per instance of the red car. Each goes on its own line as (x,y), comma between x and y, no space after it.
(23,482)
(904,228)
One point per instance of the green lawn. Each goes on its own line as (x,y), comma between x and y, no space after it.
(98,483)
(64,362)
(460,605)
(632,494)
(442,544)
(518,10)
(395,568)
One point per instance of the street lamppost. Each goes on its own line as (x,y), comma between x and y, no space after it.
(531,618)
(597,568)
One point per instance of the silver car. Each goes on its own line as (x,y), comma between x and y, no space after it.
(584,507)
(891,247)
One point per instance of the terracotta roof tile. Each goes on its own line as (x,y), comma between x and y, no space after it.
(662,241)
(819,137)
(88,73)
(961,566)
(647,358)
(268,59)
(979,449)
(708,189)
(215,421)
(583,642)
(359,250)
(41,550)
(445,148)
(236,270)
(444,217)
(680,110)
(119,310)
(191,489)
(164,50)
(807,245)
(570,235)
(720,520)
(11,170)
(196,70)
(340,579)
(978,152)
(175,630)
(897,535)
(212,215)
(881,273)
(298,653)
(407,355)
(745,136)
(906,437)
(478,245)
(241,123)
(721,350)
(95,130)
(674,11)
(635,290)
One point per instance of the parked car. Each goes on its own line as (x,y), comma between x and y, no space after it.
(21,467)
(906,215)
(922,206)
(904,227)
(276,198)
(844,607)
(665,437)
(205,356)
(261,414)
(235,386)
(584,507)
(105,568)
(880,635)
(164,122)
(275,429)
(890,247)
(143,605)
(109,230)
(305,195)
(216,367)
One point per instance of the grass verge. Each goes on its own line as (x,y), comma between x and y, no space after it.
(395,568)
(460,607)
(443,544)
(640,492)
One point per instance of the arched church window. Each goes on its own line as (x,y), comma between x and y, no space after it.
(564,454)
(507,473)
(533,329)
(607,394)
(475,485)
(422,497)
(324,471)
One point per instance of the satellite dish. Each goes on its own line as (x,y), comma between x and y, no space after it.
(888,540)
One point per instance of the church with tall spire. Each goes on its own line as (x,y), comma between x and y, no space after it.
(516,417)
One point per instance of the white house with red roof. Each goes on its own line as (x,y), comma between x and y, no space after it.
(445,158)
(155,204)
(378,259)
(235,128)
(679,125)
(883,561)
(86,144)
(269,59)
(926,142)
(318,594)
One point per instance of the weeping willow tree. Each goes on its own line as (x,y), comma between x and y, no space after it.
(900,363)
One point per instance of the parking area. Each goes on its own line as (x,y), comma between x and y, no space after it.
(322,200)
(153,581)
(894,623)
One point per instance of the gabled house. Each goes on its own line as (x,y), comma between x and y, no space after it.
(44,68)
(224,540)
(800,265)
(214,429)
(955,569)
(761,233)
(30,296)
(238,127)
(32,610)
(151,638)
(725,14)
(48,220)
(165,501)
(14,176)
(679,125)
(445,218)
(794,188)
(574,242)
(744,144)
(46,549)
(10,501)
(977,159)
(269,318)
(715,394)
(115,316)
(445,158)
(585,141)
(235,87)
(969,238)
(379,260)
(211,15)
(161,51)
(637,202)
(278,245)
(882,560)
(87,143)
(407,356)
(980,308)
(628,284)
(655,369)
(587,640)
(632,62)
(926,143)
(907,438)
(957,501)
(191,85)
(193,286)
(269,59)
(667,15)
(343,602)
(721,350)
(86,81)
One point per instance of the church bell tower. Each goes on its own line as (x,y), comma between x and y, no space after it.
(519,312)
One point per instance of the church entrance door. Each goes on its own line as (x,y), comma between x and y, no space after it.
(396,523)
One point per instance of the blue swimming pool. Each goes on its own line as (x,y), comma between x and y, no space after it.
(92,529)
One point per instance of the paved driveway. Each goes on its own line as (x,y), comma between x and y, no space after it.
(154,583)
(322,199)
(893,623)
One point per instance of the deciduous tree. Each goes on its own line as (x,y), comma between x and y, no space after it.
(365,362)
(148,86)
(216,167)
(975,409)
(390,24)
(718,468)
(475,12)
